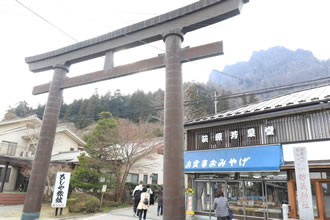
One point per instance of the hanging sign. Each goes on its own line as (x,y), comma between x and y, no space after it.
(303,184)
(61,189)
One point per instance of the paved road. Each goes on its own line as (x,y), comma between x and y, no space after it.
(124,214)
(14,213)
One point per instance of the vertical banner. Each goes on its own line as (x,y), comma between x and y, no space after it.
(61,189)
(303,182)
(190,202)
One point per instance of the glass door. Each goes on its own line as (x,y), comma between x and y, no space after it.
(276,195)
(254,200)
(235,196)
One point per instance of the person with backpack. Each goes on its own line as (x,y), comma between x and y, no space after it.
(137,197)
(143,204)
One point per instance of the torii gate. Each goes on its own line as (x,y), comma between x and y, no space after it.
(169,27)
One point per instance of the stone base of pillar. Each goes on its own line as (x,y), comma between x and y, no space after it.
(30,216)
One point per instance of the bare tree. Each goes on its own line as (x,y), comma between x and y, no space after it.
(117,144)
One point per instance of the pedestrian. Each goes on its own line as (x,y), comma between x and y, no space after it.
(151,193)
(137,197)
(143,204)
(221,206)
(160,202)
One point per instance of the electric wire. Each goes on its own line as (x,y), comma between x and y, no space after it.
(187,103)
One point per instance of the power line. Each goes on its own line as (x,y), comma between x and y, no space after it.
(48,22)
(187,103)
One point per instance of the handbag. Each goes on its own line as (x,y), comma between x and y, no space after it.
(145,201)
(230,216)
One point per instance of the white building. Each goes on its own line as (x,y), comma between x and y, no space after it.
(18,144)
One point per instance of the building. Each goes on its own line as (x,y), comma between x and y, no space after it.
(248,153)
(18,143)
(149,169)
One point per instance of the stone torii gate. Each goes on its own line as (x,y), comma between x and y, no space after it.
(169,27)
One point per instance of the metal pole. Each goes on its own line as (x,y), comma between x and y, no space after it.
(3,181)
(174,197)
(33,199)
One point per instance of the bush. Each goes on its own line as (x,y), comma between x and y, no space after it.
(84,203)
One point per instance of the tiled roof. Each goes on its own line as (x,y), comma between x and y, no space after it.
(291,100)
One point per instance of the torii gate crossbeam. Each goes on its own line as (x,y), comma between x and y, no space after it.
(170,27)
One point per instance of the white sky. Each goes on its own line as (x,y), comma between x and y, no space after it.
(262,24)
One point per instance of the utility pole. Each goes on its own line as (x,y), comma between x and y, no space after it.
(215,103)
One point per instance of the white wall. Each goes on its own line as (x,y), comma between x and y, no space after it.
(319,150)
(63,143)
(153,163)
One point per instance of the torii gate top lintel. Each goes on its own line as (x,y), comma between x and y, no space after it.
(186,19)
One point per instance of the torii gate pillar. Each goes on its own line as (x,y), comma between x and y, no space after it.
(39,172)
(174,204)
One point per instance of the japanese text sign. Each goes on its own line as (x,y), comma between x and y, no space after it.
(303,184)
(234,159)
(61,189)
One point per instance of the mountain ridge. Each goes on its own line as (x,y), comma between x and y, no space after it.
(275,66)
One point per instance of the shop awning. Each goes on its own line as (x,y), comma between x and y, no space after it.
(257,158)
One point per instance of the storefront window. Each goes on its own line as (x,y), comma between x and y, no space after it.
(254,199)
(235,197)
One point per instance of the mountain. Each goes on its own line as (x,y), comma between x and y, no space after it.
(273,67)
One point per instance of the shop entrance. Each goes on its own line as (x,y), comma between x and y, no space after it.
(248,199)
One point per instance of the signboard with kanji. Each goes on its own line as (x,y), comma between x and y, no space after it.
(61,189)
(190,202)
(303,184)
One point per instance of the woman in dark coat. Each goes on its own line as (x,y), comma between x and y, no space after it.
(160,202)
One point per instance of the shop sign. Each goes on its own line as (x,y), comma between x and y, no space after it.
(235,159)
(61,189)
(190,202)
(269,130)
(303,184)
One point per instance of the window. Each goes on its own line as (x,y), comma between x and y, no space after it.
(132,178)
(154,178)
(145,179)
(8,148)
(2,173)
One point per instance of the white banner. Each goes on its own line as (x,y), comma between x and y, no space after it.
(61,189)
(303,182)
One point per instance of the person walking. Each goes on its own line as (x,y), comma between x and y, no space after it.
(160,202)
(143,204)
(221,206)
(151,193)
(137,197)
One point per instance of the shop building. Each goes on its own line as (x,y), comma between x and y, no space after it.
(248,153)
